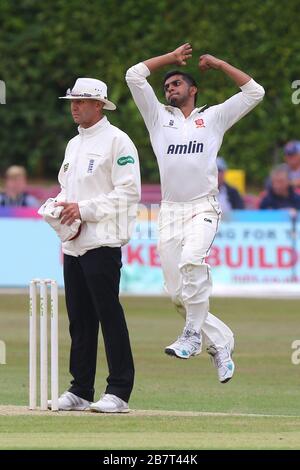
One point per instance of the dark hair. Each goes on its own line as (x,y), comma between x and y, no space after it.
(186,77)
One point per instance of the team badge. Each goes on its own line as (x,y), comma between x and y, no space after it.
(199,123)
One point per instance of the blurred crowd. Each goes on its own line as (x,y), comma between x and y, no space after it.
(16,192)
(282,188)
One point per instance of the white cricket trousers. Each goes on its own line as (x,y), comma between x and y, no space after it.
(186,234)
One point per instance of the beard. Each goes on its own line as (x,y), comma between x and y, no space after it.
(177,101)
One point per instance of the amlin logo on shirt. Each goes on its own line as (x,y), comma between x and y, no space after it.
(191,147)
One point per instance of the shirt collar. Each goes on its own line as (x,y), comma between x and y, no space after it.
(174,110)
(89,131)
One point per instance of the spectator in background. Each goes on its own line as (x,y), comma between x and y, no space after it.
(281,194)
(15,194)
(292,158)
(229,197)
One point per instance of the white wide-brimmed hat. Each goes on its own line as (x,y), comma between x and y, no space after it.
(89,89)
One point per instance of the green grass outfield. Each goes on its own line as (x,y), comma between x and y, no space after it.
(206,414)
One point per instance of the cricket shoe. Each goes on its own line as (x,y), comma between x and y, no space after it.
(70,402)
(109,403)
(186,345)
(222,360)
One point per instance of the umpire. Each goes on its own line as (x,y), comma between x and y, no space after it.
(100,184)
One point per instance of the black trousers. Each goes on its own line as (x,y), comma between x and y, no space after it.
(92,296)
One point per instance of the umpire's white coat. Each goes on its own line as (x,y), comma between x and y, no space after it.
(101,172)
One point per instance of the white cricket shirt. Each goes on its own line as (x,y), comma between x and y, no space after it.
(186,148)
